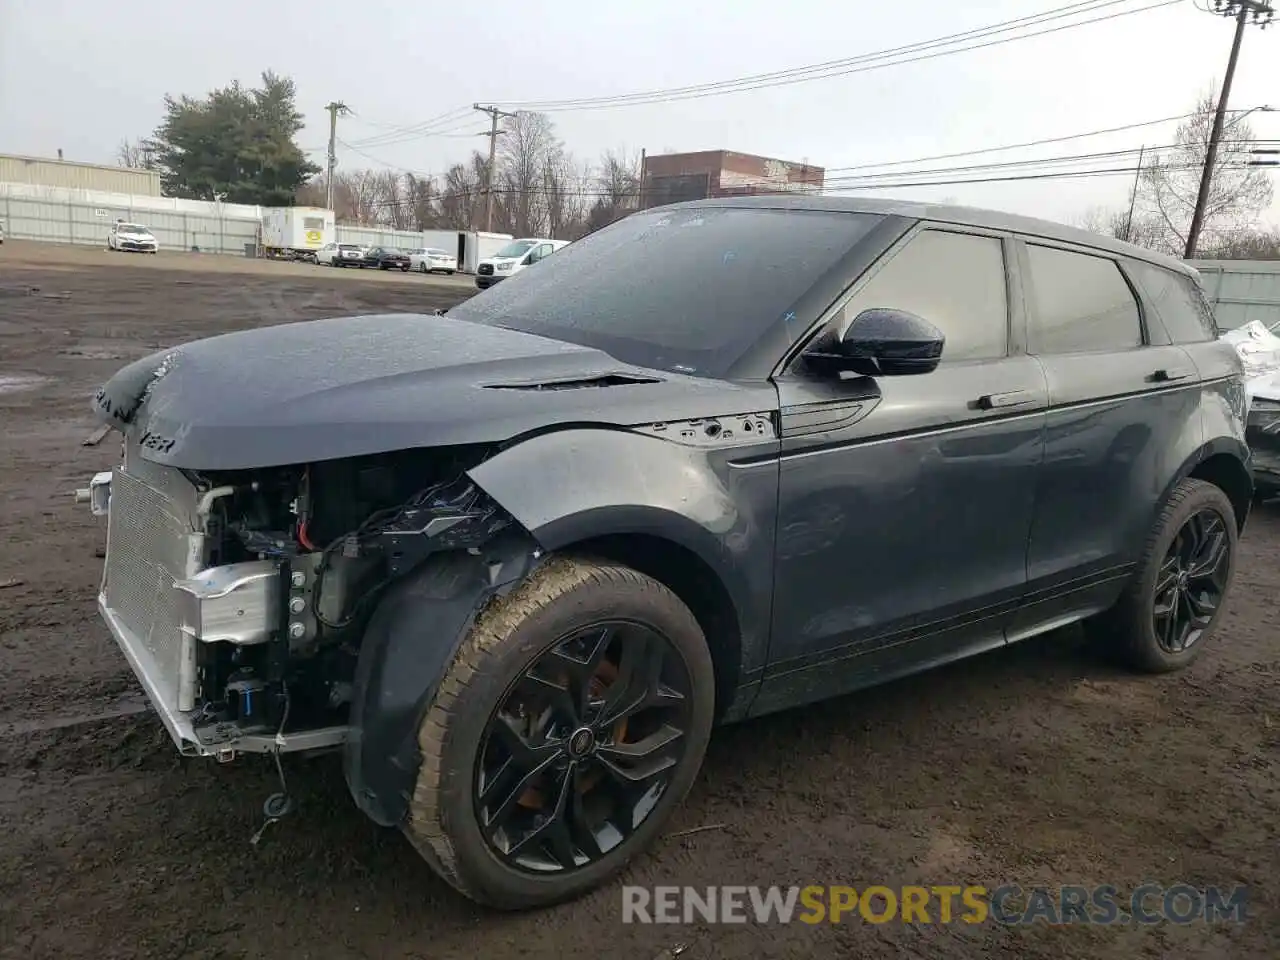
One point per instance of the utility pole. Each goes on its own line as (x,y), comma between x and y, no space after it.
(643,164)
(1133,197)
(494,116)
(1241,10)
(334,108)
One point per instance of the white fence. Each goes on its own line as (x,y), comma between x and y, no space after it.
(69,215)
(1242,291)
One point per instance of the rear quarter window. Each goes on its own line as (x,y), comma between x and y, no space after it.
(1179,302)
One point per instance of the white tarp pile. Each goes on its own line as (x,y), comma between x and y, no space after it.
(1259,351)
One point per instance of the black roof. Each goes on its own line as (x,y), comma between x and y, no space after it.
(942,213)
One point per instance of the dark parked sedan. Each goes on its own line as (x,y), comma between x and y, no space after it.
(386,258)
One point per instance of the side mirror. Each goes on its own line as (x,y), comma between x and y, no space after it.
(884,343)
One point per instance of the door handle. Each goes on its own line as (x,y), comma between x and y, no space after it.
(1014,398)
(1169,375)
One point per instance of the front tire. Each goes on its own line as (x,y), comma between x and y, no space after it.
(572,721)
(1168,613)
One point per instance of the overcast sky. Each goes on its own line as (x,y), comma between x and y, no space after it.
(81,75)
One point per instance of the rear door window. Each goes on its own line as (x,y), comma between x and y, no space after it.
(1080,304)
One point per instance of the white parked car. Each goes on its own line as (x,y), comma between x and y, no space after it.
(340,255)
(514,257)
(432,260)
(131,236)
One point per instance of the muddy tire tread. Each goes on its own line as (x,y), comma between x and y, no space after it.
(425,825)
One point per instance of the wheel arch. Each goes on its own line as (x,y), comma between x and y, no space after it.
(1224,463)
(679,513)
(694,581)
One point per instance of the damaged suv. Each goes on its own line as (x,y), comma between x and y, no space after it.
(516,561)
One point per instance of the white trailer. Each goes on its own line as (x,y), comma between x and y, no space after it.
(296,233)
(475,247)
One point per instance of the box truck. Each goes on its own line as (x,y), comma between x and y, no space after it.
(296,233)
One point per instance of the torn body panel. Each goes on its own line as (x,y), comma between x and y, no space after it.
(407,647)
(708,487)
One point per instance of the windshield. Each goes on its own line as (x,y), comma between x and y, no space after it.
(517,249)
(689,290)
(348,246)
(132,228)
(437,253)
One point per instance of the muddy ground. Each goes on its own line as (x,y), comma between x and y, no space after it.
(1033,765)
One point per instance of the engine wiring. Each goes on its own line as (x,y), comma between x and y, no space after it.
(441,495)
(303,512)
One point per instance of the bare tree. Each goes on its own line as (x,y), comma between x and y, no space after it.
(1169,183)
(461,200)
(1141,229)
(564,194)
(617,181)
(529,144)
(392,205)
(419,198)
(136,155)
(1248,245)
(359,197)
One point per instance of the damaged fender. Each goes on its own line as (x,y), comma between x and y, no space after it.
(407,648)
(717,500)
(713,492)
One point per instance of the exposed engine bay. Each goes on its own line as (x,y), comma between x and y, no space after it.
(305,552)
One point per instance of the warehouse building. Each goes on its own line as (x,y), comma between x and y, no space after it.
(678,177)
(44,172)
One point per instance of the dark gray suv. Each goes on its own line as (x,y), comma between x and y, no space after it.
(714,460)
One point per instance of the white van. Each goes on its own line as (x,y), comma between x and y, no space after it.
(513,258)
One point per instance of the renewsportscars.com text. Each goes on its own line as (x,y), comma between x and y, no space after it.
(1010,904)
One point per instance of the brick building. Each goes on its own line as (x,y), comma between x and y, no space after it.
(677,177)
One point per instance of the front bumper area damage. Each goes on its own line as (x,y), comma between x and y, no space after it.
(234,635)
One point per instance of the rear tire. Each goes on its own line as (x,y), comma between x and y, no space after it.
(1170,609)
(471,814)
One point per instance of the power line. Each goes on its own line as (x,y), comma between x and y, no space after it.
(855,182)
(838,68)
(1055,175)
(1013,146)
(399,134)
(1240,9)
(1003,26)
(872,178)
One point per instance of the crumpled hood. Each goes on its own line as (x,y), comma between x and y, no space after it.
(352,386)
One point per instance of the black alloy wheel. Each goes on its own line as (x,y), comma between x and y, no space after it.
(1168,611)
(582,747)
(570,724)
(1192,581)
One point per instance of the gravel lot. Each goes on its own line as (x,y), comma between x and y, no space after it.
(1033,765)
